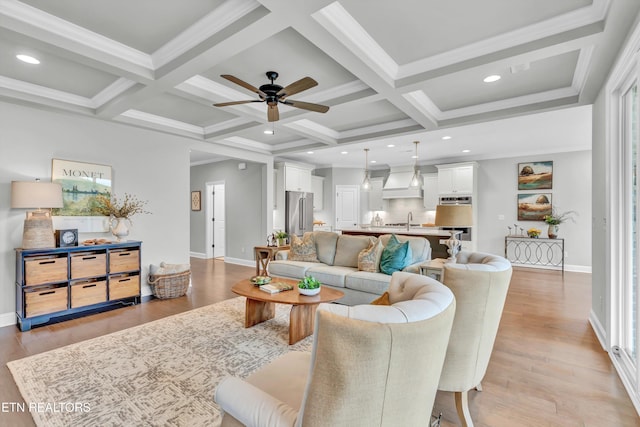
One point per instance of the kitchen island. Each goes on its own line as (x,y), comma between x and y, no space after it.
(433,234)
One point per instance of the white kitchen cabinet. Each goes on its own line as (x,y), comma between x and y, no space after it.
(458,178)
(297,178)
(317,187)
(376,202)
(430,188)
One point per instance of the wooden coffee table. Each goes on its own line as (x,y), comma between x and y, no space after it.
(260,306)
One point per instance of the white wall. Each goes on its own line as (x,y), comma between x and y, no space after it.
(497,195)
(151,165)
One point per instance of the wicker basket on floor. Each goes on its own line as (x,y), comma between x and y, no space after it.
(169,285)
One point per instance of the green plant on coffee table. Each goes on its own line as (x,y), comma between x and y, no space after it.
(280,234)
(309,282)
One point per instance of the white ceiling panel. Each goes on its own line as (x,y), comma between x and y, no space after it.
(467,88)
(357,115)
(177,108)
(53,72)
(145,25)
(434,27)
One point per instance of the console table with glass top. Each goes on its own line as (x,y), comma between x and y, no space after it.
(536,252)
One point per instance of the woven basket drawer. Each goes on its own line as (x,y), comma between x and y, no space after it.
(39,270)
(87,293)
(45,300)
(124,260)
(88,265)
(124,286)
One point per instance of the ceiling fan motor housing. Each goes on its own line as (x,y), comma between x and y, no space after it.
(271,90)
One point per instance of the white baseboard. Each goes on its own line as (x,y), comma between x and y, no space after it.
(567,267)
(8,319)
(598,329)
(240,261)
(198,255)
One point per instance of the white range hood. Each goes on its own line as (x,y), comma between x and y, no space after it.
(398,185)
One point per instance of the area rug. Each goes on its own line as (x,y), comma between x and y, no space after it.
(161,373)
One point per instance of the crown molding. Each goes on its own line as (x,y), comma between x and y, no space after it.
(111,91)
(236,141)
(582,68)
(315,130)
(45,92)
(227,124)
(382,127)
(52,25)
(338,22)
(218,19)
(163,121)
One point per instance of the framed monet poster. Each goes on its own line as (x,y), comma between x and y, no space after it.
(81,184)
(534,206)
(535,175)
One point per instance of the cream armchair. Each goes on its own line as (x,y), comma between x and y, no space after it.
(480,283)
(371,365)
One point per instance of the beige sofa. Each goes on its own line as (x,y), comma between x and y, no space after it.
(338,266)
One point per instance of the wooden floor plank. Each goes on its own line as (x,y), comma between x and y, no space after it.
(547,368)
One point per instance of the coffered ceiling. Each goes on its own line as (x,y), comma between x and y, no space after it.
(390,71)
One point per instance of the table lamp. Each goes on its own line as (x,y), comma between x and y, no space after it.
(453,216)
(38,227)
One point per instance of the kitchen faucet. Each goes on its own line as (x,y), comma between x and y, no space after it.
(409,219)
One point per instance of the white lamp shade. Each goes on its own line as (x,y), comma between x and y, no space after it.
(33,194)
(454,216)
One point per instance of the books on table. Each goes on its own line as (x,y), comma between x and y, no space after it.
(275,287)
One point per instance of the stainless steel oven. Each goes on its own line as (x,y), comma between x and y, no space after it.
(457,200)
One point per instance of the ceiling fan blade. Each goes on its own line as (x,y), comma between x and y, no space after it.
(307,106)
(295,87)
(243,84)
(225,104)
(273,115)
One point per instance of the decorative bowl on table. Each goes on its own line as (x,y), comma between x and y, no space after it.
(309,286)
(260,280)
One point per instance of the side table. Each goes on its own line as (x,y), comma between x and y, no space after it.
(263,255)
(433,268)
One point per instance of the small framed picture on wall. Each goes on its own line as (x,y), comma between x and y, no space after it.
(196,201)
(534,206)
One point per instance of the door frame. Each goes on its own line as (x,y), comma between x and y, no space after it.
(208,226)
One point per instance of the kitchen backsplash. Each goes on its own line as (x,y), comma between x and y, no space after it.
(400,208)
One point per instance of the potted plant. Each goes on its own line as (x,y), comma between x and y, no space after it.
(555,219)
(309,286)
(119,212)
(281,236)
(534,232)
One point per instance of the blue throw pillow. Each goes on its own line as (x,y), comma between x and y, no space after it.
(395,256)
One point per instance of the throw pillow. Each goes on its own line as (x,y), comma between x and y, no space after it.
(395,256)
(382,300)
(303,249)
(369,259)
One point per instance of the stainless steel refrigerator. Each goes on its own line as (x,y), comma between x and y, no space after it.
(299,212)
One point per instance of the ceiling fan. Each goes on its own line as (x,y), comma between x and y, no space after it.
(272,94)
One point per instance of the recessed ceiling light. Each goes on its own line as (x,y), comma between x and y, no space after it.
(492,78)
(309,152)
(28,59)
(391,145)
(344,152)
(414,157)
(466,151)
(446,137)
(268,132)
(373,161)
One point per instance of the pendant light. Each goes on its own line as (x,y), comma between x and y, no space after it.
(366,183)
(415,180)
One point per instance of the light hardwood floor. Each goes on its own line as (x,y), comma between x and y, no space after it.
(547,367)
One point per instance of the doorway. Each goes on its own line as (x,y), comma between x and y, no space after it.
(347,206)
(215,228)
